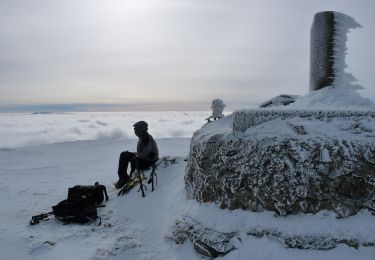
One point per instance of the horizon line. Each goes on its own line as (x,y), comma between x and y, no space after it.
(94,107)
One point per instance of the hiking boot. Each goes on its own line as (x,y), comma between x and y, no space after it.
(121,183)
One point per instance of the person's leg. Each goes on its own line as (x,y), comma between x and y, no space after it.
(142,164)
(124,160)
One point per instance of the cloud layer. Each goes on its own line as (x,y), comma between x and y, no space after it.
(17,130)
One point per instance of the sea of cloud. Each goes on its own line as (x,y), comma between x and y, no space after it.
(25,129)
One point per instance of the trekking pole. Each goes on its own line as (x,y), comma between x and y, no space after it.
(140,177)
(37,218)
(152,176)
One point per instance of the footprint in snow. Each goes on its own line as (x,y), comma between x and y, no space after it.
(120,245)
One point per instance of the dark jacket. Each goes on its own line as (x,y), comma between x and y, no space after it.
(147,148)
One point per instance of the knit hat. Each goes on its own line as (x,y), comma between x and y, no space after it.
(141,125)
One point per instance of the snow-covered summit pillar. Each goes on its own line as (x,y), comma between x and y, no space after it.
(328,49)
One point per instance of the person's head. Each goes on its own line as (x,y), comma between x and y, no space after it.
(140,128)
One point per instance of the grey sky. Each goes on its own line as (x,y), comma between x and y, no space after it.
(173,52)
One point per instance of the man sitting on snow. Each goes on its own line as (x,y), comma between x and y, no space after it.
(146,155)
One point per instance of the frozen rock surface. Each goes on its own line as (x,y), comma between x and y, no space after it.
(307,241)
(245,119)
(213,243)
(206,241)
(285,162)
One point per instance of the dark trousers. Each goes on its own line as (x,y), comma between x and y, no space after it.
(129,157)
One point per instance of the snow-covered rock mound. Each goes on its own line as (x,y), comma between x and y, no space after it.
(280,100)
(287,162)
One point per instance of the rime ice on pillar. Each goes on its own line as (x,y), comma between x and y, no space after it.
(328,50)
(217,109)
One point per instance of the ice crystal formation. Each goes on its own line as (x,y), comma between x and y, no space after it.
(328,49)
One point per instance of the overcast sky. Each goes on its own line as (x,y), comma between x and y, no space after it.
(178,53)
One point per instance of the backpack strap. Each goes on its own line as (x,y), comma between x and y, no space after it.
(104,190)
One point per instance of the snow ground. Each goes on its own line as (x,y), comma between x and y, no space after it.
(35,178)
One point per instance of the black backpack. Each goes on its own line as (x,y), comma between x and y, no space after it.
(94,193)
(80,206)
(75,210)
